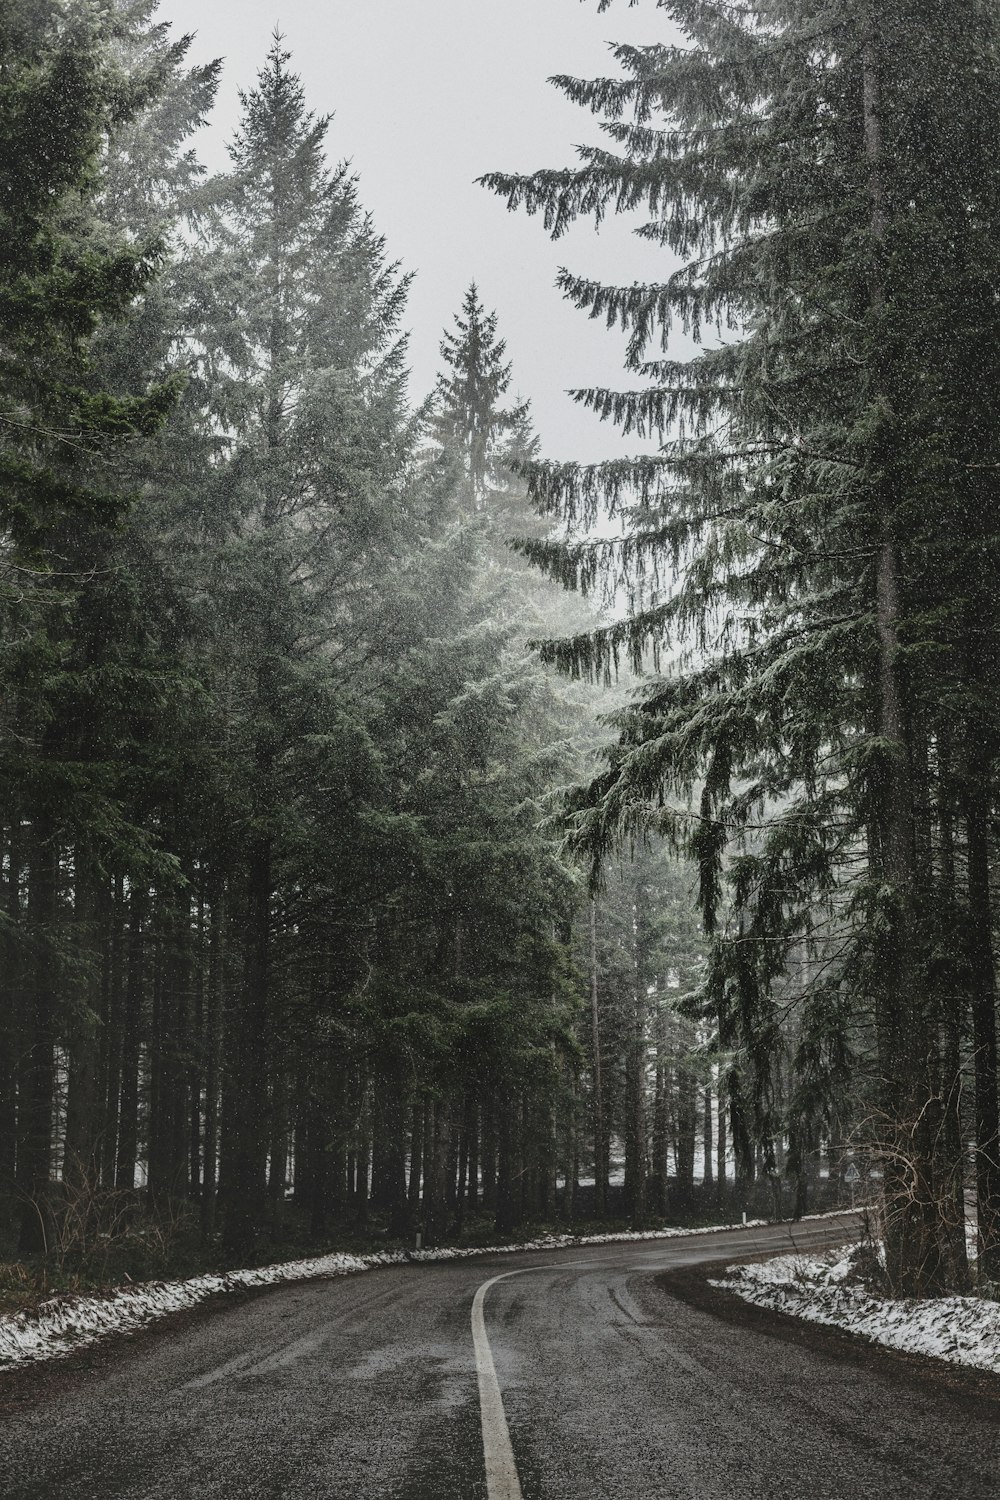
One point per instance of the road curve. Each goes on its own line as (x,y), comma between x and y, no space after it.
(365,1388)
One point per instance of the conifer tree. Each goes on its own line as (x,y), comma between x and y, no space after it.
(796,532)
(470,392)
(147,741)
(58,279)
(63,422)
(308,379)
(287,934)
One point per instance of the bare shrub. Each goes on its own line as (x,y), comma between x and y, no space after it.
(104,1233)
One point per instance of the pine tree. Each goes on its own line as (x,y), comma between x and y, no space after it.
(64,282)
(307,382)
(156,719)
(58,279)
(469,398)
(797,533)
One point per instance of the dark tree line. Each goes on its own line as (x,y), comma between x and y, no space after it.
(296,929)
(812,557)
(290,943)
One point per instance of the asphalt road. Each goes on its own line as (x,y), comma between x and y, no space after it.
(613,1388)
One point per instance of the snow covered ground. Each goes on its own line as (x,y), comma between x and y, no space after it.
(963,1330)
(67,1323)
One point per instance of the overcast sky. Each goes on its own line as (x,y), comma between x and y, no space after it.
(427,95)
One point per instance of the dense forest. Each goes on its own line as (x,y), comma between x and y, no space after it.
(403,832)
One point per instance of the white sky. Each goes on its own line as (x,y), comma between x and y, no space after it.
(428,95)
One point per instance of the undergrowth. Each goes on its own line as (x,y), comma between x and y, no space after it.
(167,1245)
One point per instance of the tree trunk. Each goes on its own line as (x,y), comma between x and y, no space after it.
(438,1153)
(600,1135)
(81,1161)
(245,1171)
(571,1149)
(362,1161)
(416,1160)
(214,1021)
(464,1155)
(685,1137)
(489,1151)
(707,1136)
(36,1114)
(277,1167)
(472,1122)
(196,1060)
(635,1067)
(10,1015)
(661,1115)
(914,1261)
(128,1116)
(505,1211)
(395,1156)
(111,1039)
(721,1147)
(984,1028)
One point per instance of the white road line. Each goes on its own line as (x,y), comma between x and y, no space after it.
(502,1482)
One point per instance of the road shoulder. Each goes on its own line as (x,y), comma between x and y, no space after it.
(974,1392)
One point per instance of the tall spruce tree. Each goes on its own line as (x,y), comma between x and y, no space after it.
(816,533)
(59,278)
(308,383)
(65,279)
(148,737)
(470,393)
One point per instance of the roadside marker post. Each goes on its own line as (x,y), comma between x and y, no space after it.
(852,1177)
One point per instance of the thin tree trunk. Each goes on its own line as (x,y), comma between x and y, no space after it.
(984,1028)
(277,1175)
(437,1156)
(464,1155)
(10,1014)
(245,1170)
(707,1135)
(489,1151)
(35,1118)
(111,1038)
(661,1113)
(196,1067)
(128,1115)
(362,1161)
(505,1211)
(685,1136)
(913,1260)
(394,1148)
(215,1012)
(721,1146)
(635,1067)
(472,1122)
(157,1147)
(81,1108)
(416,1159)
(600,1136)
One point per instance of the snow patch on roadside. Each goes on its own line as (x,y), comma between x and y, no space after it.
(68,1323)
(962,1330)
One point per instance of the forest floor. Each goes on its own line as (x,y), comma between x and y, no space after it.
(154,1250)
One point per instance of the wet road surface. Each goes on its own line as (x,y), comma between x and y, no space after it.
(365,1387)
